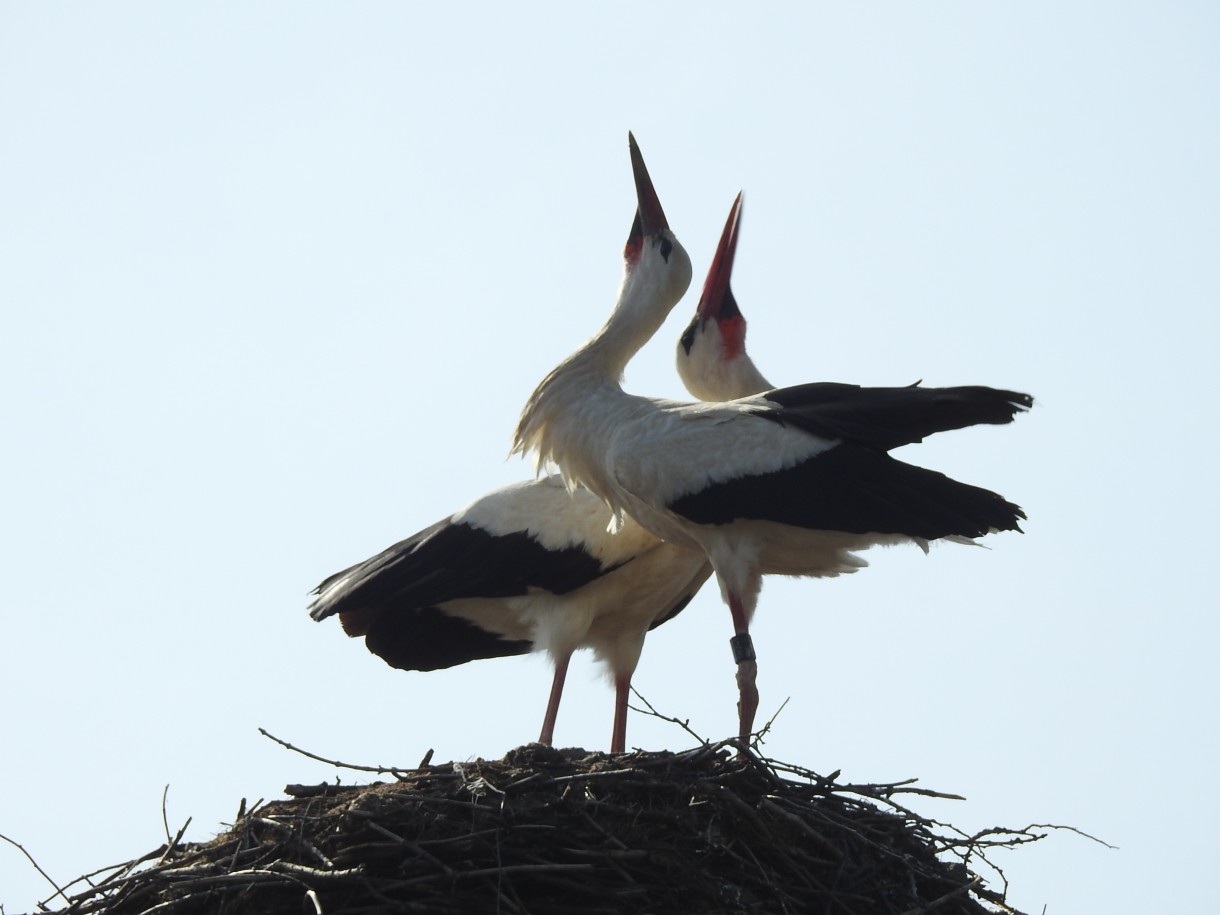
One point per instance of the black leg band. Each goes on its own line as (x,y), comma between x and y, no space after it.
(743,648)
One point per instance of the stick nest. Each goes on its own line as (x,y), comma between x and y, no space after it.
(546,831)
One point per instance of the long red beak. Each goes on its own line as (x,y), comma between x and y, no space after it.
(651,216)
(717,299)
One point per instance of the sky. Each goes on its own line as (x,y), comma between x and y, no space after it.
(278,277)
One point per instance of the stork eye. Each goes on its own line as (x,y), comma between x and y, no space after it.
(666,247)
(688,336)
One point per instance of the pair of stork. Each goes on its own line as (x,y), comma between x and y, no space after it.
(654,496)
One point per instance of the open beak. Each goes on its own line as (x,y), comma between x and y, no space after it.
(717,300)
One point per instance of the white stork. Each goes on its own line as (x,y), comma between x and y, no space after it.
(533,566)
(789,482)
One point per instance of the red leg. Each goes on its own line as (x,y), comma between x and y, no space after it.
(552,706)
(747,670)
(618,740)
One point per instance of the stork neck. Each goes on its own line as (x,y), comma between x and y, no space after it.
(573,414)
(603,359)
(744,380)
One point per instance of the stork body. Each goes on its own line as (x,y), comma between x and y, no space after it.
(534,566)
(527,567)
(793,481)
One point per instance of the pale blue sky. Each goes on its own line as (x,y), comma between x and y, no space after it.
(277,279)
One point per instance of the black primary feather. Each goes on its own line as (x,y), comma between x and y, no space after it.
(889,417)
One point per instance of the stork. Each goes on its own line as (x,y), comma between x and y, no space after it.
(792,482)
(533,566)
(528,567)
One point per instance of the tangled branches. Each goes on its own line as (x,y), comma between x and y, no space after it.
(544,832)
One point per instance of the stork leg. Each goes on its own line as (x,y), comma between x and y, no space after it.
(552,705)
(747,670)
(618,740)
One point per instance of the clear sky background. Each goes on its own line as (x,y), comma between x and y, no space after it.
(278,277)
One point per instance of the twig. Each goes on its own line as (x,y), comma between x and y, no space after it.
(583,776)
(380,770)
(164,816)
(172,844)
(46,876)
(509,869)
(964,888)
(757,737)
(651,710)
(1079,832)
(287,867)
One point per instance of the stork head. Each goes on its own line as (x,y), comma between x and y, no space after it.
(712,360)
(654,259)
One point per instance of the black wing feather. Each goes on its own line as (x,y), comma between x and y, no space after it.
(451,560)
(858,490)
(889,417)
(426,638)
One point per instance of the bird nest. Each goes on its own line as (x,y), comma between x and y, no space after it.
(547,831)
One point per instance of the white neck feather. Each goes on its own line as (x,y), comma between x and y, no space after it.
(708,375)
(573,414)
